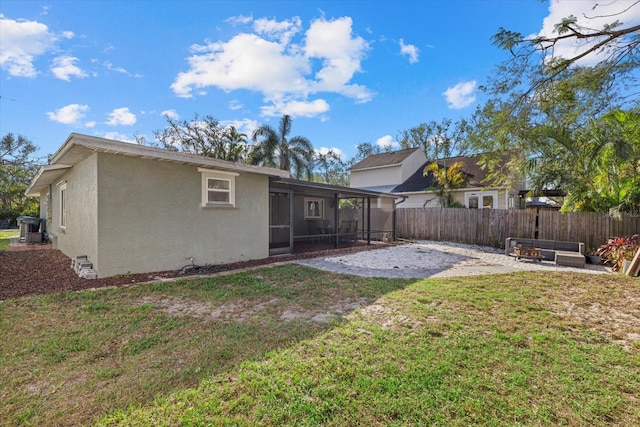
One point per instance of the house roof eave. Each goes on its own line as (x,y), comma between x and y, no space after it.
(46,176)
(77,147)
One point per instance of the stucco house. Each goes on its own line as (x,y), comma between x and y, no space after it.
(133,209)
(402,173)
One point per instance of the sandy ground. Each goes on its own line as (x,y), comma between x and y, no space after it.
(435,259)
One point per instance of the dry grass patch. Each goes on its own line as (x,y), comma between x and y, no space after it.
(68,358)
(295,346)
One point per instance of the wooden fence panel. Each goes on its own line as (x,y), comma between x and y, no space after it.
(490,227)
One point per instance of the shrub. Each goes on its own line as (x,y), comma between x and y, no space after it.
(619,249)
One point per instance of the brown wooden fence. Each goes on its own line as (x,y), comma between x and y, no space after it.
(490,227)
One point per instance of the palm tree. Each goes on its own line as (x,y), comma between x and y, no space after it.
(447,179)
(274,149)
(235,144)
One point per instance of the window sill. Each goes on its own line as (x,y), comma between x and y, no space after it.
(62,230)
(218,206)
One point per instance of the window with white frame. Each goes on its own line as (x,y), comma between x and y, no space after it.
(62,188)
(313,208)
(218,188)
(481,200)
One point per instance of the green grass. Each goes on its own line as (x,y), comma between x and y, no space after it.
(519,349)
(4,238)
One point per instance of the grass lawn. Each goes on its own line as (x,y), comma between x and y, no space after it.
(289,345)
(4,238)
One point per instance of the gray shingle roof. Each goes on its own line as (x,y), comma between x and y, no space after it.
(474,175)
(384,159)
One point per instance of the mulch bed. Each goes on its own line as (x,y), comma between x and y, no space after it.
(48,271)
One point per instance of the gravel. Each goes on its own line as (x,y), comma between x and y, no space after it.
(435,259)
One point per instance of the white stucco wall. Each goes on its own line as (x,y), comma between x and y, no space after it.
(375,177)
(80,234)
(150,218)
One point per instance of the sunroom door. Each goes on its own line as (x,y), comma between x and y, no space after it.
(280,214)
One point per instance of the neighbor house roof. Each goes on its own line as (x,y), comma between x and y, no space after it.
(384,159)
(474,175)
(78,147)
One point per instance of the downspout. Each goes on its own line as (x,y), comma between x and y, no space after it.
(395,218)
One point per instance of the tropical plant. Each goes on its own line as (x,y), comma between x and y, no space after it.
(235,144)
(551,107)
(274,148)
(447,180)
(619,249)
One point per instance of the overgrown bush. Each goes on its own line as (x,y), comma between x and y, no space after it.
(619,249)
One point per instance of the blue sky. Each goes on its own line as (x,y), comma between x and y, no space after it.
(346,71)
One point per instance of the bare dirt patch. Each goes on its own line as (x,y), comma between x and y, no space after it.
(618,318)
(244,310)
(48,271)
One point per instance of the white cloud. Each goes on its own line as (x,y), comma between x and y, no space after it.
(239,20)
(387,141)
(268,62)
(234,104)
(172,114)
(64,68)
(296,108)
(109,66)
(90,124)
(410,50)
(21,42)
(593,14)
(244,62)
(461,95)
(282,31)
(341,54)
(69,115)
(121,116)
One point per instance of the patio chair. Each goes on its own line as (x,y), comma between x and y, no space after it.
(348,230)
(317,229)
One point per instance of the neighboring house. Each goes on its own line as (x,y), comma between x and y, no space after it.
(384,172)
(134,209)
(386,169)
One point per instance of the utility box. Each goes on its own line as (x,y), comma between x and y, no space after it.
(34,237)
(29,225)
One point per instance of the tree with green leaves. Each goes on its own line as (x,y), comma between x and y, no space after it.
(599,37)
(236,144)
(549,111)
(556,138)
(17,168)
(330,169)
(203,136)
(447,179)
(437,139)
(275,149)
(608,177)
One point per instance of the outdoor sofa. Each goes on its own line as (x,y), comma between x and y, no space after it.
(562,253)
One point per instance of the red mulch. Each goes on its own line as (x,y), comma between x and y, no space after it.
(48,271)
